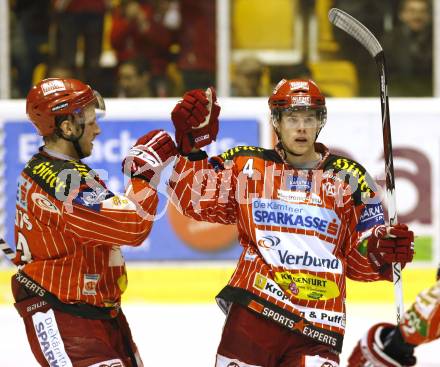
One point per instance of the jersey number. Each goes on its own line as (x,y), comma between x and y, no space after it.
(248,168)
(23,247)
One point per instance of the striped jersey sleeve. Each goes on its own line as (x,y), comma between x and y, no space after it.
(204,190)
(115,219)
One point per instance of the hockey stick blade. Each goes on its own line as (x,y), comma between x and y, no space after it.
(6,250)
(356,29)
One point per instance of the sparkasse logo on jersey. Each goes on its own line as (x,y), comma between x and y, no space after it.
(49,338)
(278,213)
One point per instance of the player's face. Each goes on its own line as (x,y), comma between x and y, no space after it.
(91,130)
(298,131)
(131,83)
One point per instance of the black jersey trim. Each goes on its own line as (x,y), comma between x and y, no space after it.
(251,151)
(279,315)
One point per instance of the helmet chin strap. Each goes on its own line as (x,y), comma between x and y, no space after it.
(78,149)
(75,141)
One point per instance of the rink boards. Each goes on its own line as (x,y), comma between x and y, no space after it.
(195,283)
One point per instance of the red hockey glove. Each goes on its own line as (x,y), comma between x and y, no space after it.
(149,156)
(195,118)
(382,346)
(390,244)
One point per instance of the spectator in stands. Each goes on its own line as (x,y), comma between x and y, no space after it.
(196,38)
(30,21)
(408,49)
(75,19)
(247,78)
(133,79)
(56,70)
(299,70)
(145,30)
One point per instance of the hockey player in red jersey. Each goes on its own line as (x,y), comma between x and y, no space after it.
(388,345)
(69,230)
(307,219)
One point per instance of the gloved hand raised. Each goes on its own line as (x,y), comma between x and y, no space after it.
(150,154)
(382,346)
(195,118)
(390,244)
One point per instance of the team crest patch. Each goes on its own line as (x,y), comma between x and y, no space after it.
(52,86)
(44,203)
(90,282)
(299,85)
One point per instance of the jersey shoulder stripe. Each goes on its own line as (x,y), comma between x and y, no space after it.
(56,176)
(251,151)
(354,174)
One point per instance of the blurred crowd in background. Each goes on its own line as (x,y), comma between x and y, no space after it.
(160,48)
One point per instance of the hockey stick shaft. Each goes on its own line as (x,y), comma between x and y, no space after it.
(389,177)
(361,33)
(6,250)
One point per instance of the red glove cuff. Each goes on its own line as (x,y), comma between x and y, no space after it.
(192,112)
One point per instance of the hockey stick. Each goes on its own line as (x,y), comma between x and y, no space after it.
(361,33)
(6,250)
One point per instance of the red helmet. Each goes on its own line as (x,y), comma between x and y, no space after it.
(58,97)
(297,94)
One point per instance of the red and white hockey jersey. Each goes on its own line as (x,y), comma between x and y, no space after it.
(69,228)
(301,231)
(421,322)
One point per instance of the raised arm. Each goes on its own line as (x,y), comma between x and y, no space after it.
(201,188)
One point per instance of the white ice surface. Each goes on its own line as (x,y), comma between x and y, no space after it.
(187,335)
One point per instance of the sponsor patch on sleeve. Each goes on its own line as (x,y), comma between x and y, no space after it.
(92,198)
(22,192)
(371,216)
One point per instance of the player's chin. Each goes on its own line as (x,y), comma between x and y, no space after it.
(300,148)
(88,150)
